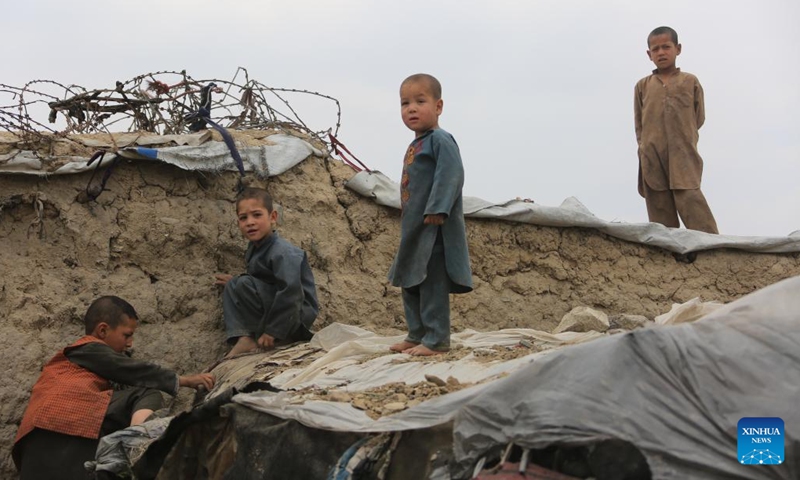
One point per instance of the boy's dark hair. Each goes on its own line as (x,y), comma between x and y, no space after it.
(108,309)
(661,31)
(433,84)
(252,193)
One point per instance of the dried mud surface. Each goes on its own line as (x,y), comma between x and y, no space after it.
(158,234)
(398,396)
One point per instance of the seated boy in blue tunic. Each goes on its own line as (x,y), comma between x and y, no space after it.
(276,299)
(433,259)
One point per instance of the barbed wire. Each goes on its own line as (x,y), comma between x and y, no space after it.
(157,102)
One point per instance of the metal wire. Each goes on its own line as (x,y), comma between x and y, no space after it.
(155,102)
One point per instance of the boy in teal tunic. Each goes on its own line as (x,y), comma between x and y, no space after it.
(276,299)
(433,259)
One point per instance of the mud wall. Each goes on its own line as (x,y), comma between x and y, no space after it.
(157,235)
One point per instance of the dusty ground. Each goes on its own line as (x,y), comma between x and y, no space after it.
(390,398)
(159,233)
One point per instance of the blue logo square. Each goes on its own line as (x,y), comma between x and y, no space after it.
(760,441)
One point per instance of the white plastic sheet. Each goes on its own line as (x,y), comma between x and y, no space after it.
(686,312)
(572,213)
(280,154)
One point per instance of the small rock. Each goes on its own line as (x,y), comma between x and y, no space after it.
(339,397)
(483,352)
(360,404)
(399,397)
(453,381)
(583,319)
(435,380)
(627,321)
(394,406)
(170,221)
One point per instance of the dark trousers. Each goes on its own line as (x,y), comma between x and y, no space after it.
(243,307)
(46,455)
(427,305)
(123,405)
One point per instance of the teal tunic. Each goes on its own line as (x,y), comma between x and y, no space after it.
(431,184)
(276,296)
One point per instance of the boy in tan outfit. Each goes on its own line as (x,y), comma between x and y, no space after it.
(668,112)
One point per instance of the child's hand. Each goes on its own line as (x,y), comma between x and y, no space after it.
(437,219)
(221,278)
(266,341)
(200,380)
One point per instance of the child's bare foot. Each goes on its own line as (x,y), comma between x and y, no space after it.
(422,351)
(402,346)
(243,345)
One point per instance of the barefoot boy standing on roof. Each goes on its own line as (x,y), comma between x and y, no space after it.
(433,260)
(668,112)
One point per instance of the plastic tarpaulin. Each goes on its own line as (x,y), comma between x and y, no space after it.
(571,213)
(118,451)
(280,153)
(344,367)
(675,392)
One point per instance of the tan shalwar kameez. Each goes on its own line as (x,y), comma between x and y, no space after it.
(668,117)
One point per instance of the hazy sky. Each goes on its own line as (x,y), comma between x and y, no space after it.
(538,94)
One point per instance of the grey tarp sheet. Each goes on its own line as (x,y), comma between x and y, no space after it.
(281,153)
(675,392)
(571,213)
(118,451)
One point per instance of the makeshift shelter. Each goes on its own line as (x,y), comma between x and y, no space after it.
(669,397)
(676,393)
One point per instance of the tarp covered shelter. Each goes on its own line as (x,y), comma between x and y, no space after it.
(676,393)
(742,360)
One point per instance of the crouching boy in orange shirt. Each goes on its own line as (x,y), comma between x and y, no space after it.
(74,403)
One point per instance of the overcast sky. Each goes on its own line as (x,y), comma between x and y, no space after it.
(538,94)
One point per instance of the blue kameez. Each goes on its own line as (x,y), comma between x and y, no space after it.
(432,261)
(276,296)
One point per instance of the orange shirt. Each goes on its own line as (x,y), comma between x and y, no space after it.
(67,398)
